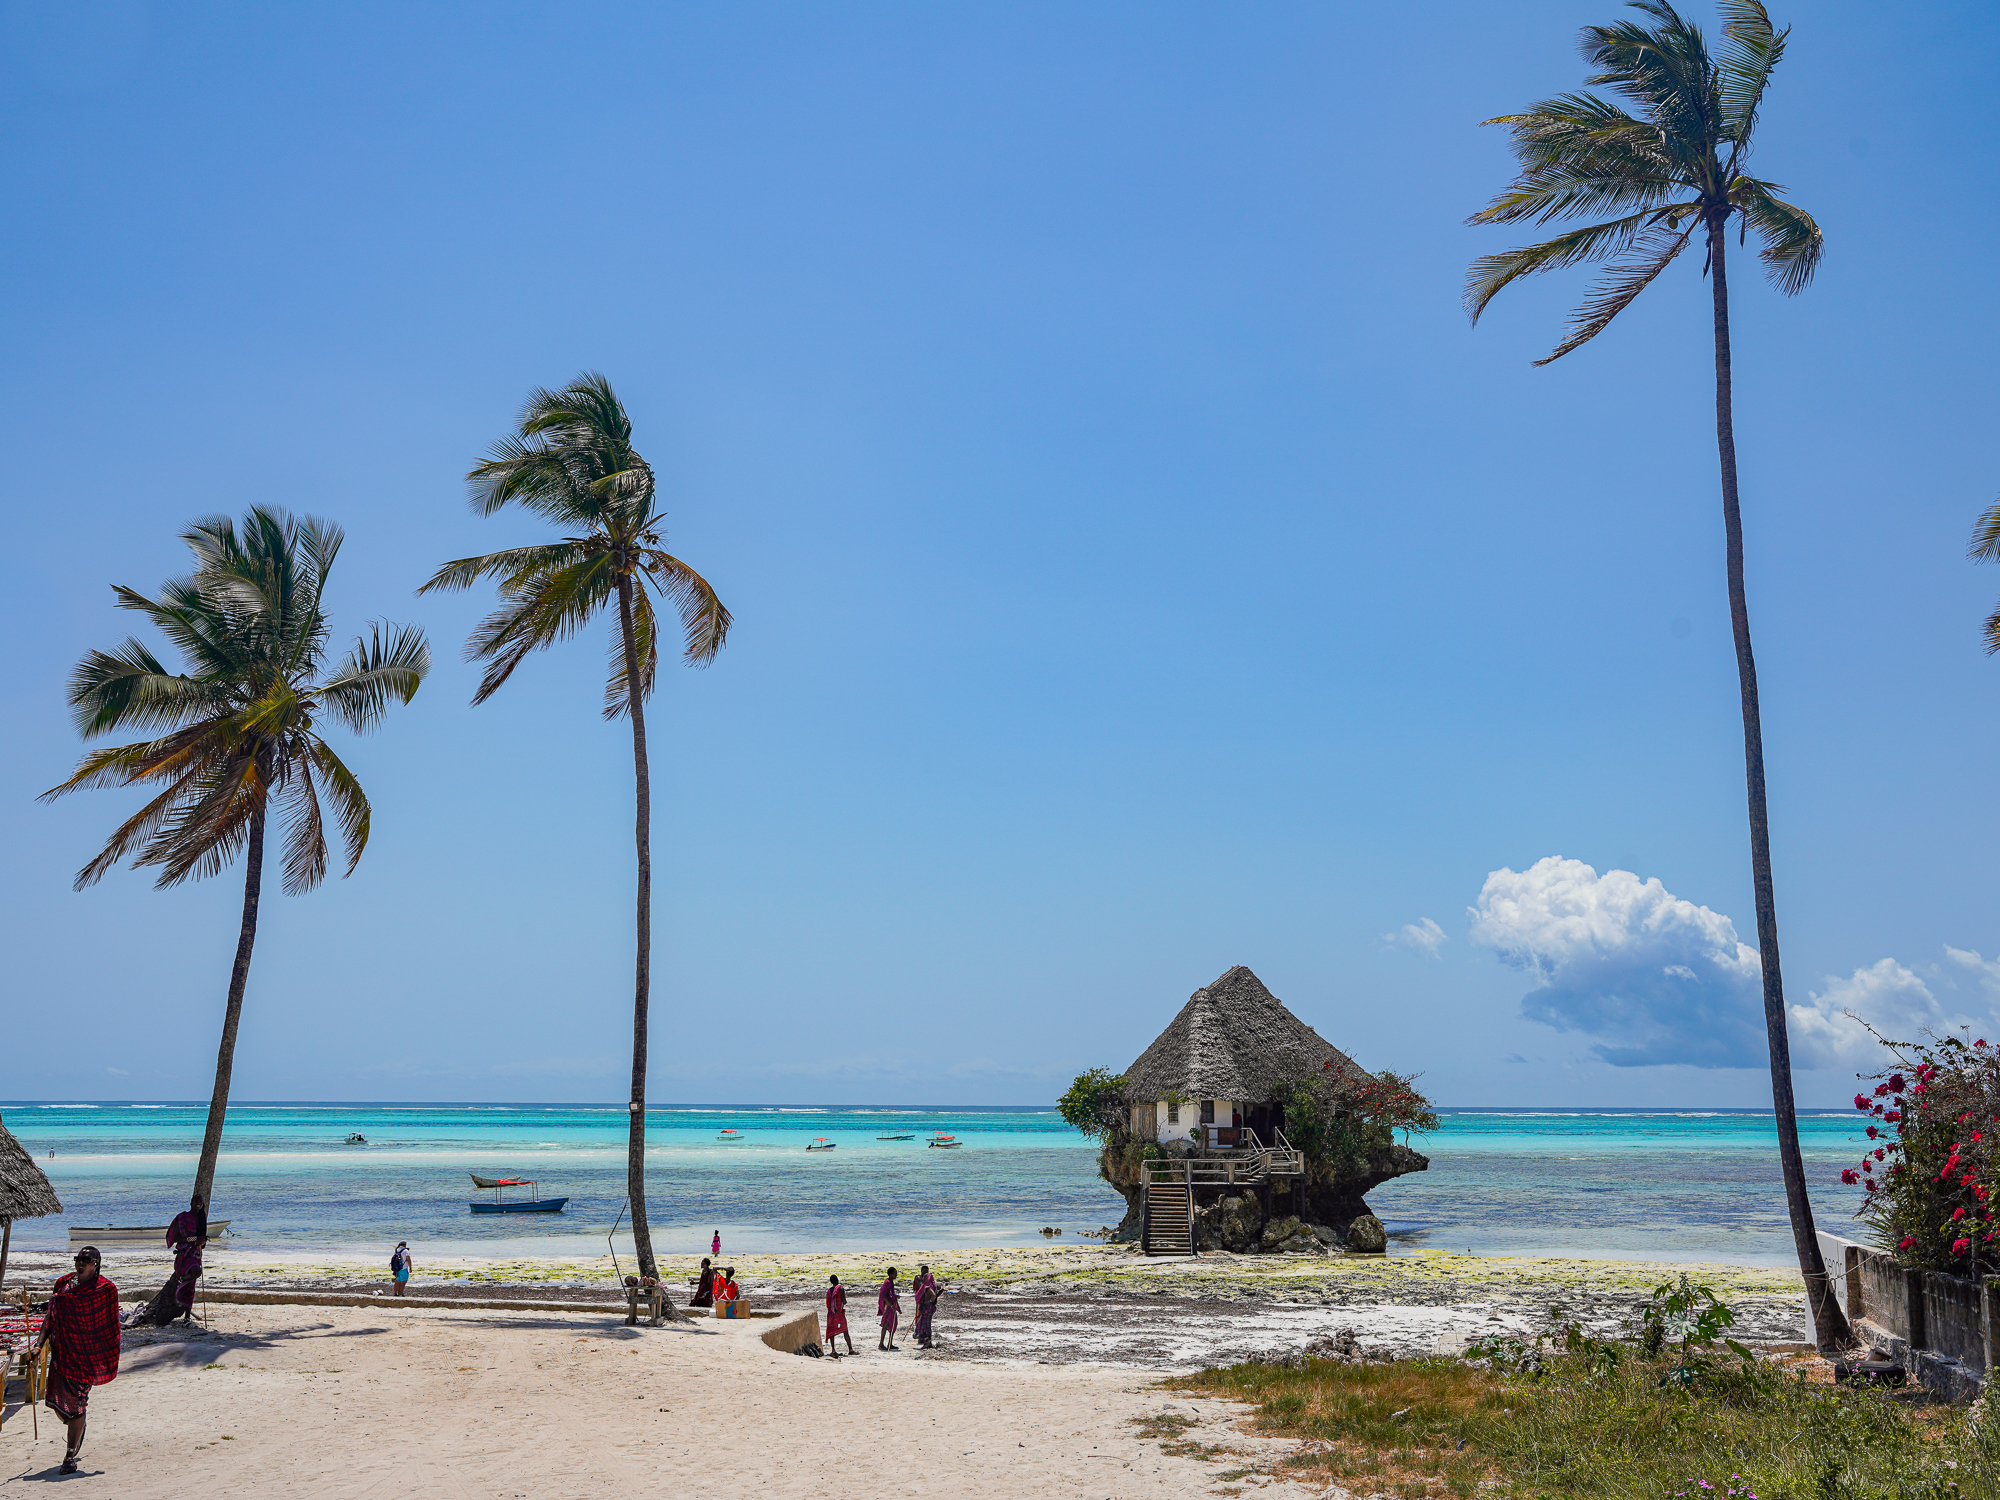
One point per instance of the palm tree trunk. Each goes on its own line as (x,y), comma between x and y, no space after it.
(165,1306)
(1830,1328)
(635,1140)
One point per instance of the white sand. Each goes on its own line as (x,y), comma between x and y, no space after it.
(317,1402)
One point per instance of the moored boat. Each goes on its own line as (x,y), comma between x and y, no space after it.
(821,1143)
(502,1205)
(944,1143)
(910,1137)
(729,1135)
(142,1234)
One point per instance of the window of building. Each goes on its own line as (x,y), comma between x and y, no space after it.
(1208,1111)
(1173,1113)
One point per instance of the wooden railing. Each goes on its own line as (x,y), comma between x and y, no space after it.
(1242,1167)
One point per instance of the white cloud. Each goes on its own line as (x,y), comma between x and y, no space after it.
(1421,936)
(118,1072)
(1654,978)
(1886,995)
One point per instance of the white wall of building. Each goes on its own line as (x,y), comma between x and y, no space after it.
(1180,1125)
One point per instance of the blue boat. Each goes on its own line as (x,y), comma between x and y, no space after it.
(500,1204)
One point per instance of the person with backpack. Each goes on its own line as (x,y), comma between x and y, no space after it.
(400,1264)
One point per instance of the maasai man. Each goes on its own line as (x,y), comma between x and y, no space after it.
(82,1330)
(925,1290)
(188,1235)
(704,1289)
(400,1264)
(836,1315)
(888,1307)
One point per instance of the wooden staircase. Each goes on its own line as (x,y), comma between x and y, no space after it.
(1169,1228)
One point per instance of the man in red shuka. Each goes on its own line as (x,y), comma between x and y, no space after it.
(83,1331)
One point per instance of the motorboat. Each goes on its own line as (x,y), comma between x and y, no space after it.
(821,1143)
(729,1135)
(945,1143)
(910,1137)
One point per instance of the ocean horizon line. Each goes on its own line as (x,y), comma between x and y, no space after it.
(668,1107)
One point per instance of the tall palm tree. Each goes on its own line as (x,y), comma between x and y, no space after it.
(1669,168)
(571,460)
(236,731)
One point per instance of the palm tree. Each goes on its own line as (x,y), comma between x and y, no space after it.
(236,730)
(1670,168)
(572,461)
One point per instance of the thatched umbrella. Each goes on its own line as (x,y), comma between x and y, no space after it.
(24,1193)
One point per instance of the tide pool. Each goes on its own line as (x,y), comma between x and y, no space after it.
(1652,1185)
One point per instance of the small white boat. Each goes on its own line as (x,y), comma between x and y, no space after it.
(729,1135)
(944,1143)
(143,1234)
(821,1143)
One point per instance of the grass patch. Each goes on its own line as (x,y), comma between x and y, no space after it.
(1421,1429)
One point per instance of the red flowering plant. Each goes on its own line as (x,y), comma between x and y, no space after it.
(1932,1167)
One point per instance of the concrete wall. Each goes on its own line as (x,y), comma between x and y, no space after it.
(1183,1128)
(1945,1329)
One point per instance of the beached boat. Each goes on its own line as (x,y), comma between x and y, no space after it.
(821,1144)
(144,1234)
(502,1205)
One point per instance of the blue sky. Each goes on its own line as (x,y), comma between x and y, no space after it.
(1139,566)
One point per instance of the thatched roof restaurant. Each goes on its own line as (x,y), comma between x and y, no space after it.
(24,1192)
(1218,1061)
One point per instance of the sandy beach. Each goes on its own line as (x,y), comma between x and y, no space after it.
(1049,1360)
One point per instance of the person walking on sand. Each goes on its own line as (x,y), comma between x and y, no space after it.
(925,1289)
(836,1315)
(715,1244)
(704,1289)
(82,1329)
(888,1306)
(399,1265)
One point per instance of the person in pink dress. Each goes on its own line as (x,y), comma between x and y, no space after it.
(836,1315)
(888,1307)
(715,1245)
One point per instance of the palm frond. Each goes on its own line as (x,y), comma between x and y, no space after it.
(1667,72)
(1490,274)
(1790,236)
(389,663)
(350,803)
(207,829)
(128,687)
(704,622)
(1985,538)
(305,838)
(1622,284)
(135,831)
(513,565)
(542,610)
(646,646)
(1750,52)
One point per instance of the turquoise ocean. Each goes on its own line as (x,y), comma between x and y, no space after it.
(1627,1184)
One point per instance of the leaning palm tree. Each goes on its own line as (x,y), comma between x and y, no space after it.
(571,460)
(236,733)
(1668,169)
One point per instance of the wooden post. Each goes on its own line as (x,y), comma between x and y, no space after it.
(6,1241)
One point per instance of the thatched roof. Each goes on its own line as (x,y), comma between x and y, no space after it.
(1234,1039)
(24,1192)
